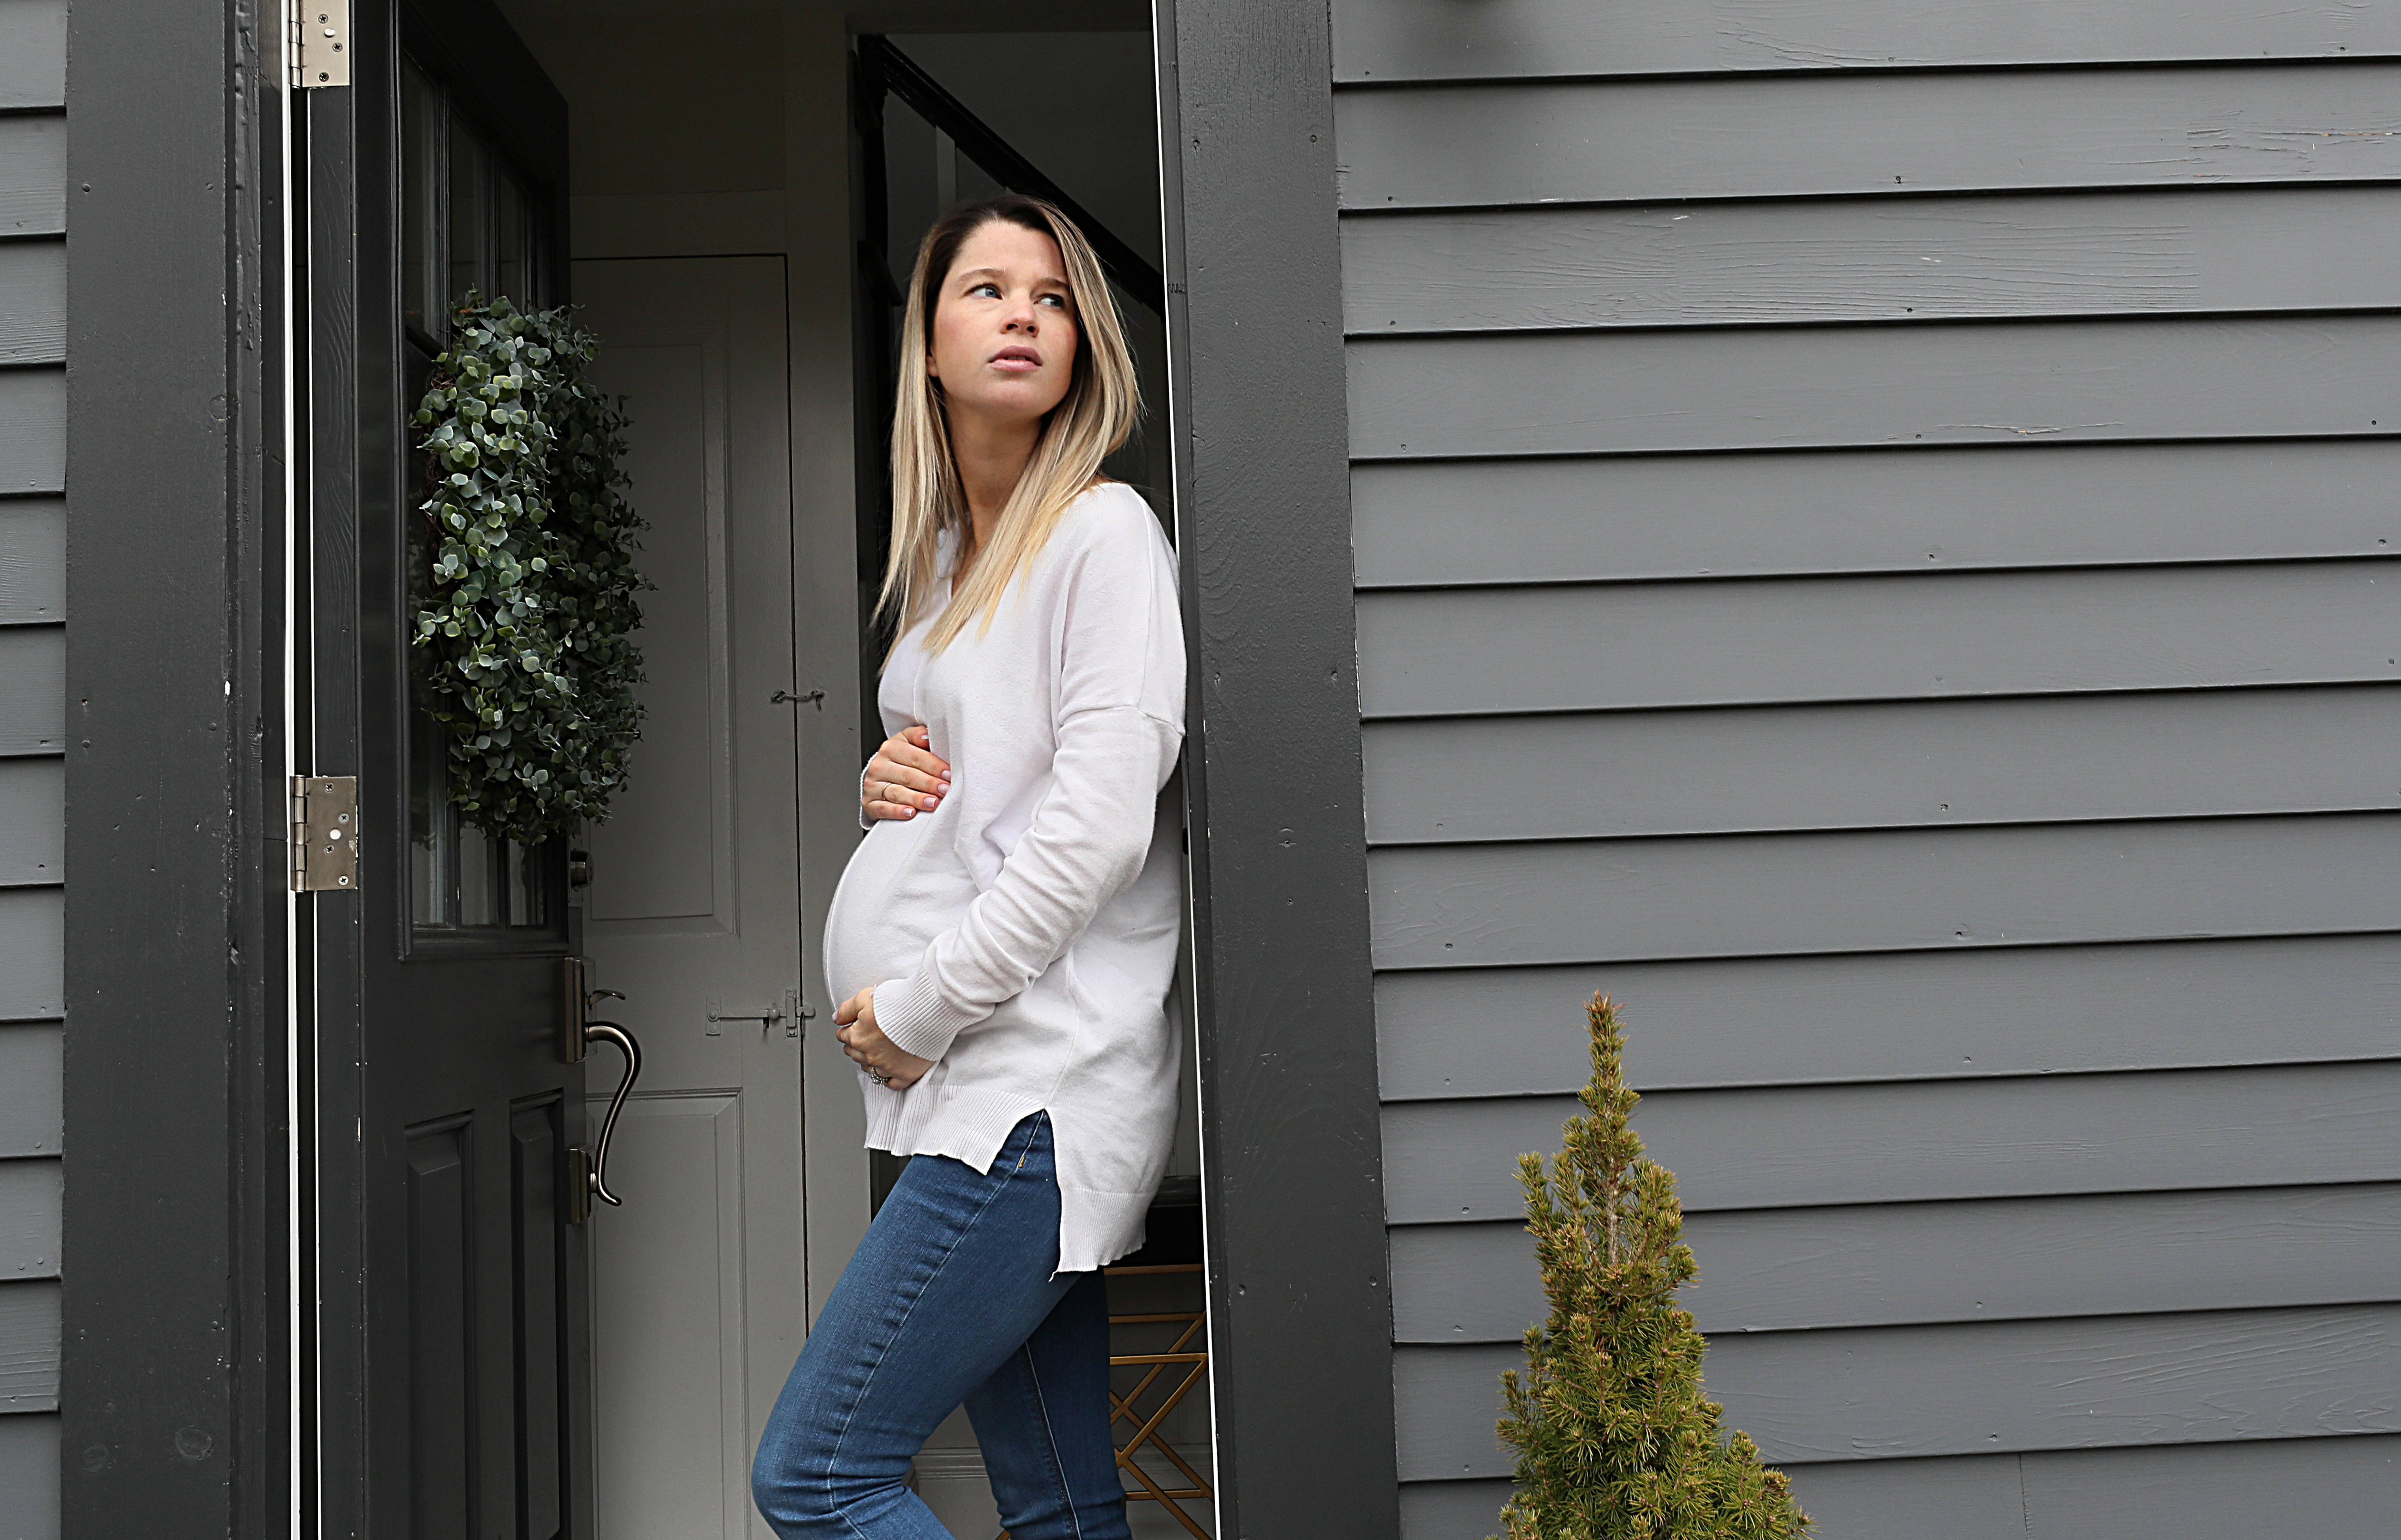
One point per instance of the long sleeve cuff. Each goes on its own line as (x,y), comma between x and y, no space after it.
(910,1013)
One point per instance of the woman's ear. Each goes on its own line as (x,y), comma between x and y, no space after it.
(933,370)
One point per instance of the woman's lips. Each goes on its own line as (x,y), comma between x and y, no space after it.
(1016,360)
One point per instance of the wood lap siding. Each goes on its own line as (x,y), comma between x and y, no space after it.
(1873,525)
(1401,40)
(33,661)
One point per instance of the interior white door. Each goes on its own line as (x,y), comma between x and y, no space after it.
(693,908)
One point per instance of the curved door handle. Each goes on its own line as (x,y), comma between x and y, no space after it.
(622,1040)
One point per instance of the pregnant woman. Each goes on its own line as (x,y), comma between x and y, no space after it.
(1002,940)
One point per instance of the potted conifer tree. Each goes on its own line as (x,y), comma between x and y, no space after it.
(1613,1438)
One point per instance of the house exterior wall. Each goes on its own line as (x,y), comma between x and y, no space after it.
(32,693)
(1872,527)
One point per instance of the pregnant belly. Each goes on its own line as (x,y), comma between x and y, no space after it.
(898,893)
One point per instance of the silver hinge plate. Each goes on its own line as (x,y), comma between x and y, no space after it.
(321,42)
(325,833)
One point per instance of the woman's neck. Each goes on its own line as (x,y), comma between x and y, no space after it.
(991,457)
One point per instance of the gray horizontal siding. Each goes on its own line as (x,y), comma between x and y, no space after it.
(33,560)
(32,941)
(1884,570)
(2325,1486)
(1873,259)
(1928,1141)
(1772,515)
(33,425)
(33,175)
(32,300)
(1897,1016)
(1388,40)
(29,1346)
(32,689)
(1570,648)
(1913,1392)
(29,1088)
(2339,1487)
(32,821)
(1755,895)
(32,65)
(1779,136)
(28,1220)
(29,1476)
(33,703)
(1892,764)
(2034,383)
(1915,1264)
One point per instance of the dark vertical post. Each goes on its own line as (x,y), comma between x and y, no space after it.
(1300,1322)
(172,1394)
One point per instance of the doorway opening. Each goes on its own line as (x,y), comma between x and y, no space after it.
(746,191)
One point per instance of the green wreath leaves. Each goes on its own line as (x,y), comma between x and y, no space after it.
(527,629)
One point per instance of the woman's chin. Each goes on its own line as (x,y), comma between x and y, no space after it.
(1007,403)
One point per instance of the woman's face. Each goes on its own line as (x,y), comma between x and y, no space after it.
(1005,327)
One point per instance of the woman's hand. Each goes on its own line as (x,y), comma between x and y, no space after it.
(855,1028)
(906,777)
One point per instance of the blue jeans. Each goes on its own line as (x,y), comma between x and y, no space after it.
(951,1299)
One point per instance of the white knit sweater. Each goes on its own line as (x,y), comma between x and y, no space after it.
(1023,935)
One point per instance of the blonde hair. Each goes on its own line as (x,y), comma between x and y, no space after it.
(1098,413)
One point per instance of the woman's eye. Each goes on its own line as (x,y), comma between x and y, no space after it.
(991,289)
(1056,301)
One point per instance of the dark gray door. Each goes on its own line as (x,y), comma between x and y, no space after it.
(453,1361)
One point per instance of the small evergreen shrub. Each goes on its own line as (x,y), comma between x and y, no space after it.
(1613,1438)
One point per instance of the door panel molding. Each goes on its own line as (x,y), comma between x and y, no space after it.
(692,813)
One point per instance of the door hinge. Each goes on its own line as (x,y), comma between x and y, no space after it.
(325,833)
(320,42)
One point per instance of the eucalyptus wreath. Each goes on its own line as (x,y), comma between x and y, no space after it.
(527,630)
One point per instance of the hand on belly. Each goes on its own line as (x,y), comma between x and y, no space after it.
(888,1065)
(905,778)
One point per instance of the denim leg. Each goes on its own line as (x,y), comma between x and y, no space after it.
(954,1275)
(1043,1423)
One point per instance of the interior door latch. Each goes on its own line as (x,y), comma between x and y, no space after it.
(325,833)
(791,1010)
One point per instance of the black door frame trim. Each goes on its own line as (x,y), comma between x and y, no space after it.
(1300,1318)
(173,1394)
